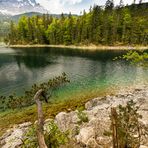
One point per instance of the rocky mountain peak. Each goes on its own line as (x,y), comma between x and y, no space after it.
(13,7)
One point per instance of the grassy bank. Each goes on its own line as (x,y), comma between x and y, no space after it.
(18,116)
(84,47)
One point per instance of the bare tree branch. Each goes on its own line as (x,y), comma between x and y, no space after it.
(40,128)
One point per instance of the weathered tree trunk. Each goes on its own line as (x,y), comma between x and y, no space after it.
(114,127)
(40,128)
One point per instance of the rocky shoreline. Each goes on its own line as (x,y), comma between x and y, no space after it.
(90,47)
(88,126)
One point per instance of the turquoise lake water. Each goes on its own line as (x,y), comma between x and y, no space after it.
(89,72)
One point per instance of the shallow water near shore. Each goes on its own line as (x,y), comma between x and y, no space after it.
(89,72)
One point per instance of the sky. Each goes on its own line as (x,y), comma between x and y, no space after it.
(74,6)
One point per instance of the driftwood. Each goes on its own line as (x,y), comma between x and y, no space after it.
(40,127)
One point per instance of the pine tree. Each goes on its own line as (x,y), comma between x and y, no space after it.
(109,5)
(109,26)
(121,4)
(12,34)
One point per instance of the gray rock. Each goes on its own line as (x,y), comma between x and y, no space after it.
(105,141)
(62,121)
(26,124)
(100,126)
(66,121)
(13,137)
(85,134)
(91,143)
(91,133)
(143,146)
(5,135)
(14,140)
(92,103)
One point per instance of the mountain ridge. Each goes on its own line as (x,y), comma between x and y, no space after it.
(15,7)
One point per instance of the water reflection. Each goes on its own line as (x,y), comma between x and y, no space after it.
(20,68)
(33,58)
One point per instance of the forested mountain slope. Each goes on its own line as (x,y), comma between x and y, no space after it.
(108,25)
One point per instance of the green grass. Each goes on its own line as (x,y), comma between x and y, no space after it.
(12,117)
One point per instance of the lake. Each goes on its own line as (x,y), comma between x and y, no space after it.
(90,72)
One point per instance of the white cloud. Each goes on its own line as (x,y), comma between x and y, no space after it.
(74,6)
(59,6)
(54,6)
(71,2)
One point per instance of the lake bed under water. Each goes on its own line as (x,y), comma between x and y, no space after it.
(89,72)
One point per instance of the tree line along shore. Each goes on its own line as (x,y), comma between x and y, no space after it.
(106,26)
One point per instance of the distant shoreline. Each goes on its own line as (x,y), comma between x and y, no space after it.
(89,47)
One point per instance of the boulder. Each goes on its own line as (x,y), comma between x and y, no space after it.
(100,126)
(92,103)
(62,120)
(13,137)
(14,140)
(85,134)
(143,146)
(97,102)
(104,141)
(66,121)
(91,143)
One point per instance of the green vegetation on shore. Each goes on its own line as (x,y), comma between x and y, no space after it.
(120,25)
(13,101)
(18,116)
(4,29)
(19,109)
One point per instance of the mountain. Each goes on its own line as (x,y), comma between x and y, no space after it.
(14,7)
(29,14)
(4,16)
